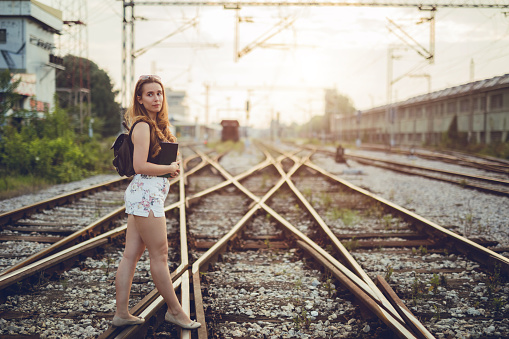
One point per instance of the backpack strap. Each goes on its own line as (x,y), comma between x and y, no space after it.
(131,131)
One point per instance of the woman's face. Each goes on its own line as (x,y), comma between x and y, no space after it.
(151,97)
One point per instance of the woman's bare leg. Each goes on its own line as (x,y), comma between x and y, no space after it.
(134,247)
(153,232)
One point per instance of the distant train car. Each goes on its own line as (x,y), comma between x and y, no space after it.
(230,130)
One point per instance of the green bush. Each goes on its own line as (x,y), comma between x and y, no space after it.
(49,149)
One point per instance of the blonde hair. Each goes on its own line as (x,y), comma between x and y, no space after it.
(159,129)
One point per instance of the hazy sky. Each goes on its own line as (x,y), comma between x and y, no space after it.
(328,47)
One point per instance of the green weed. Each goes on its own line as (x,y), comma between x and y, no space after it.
(351,245)
(301,320)
(348,216)
(389,273)
(437,281)
(436,313)
(329,286)
(417,290)
(326,200)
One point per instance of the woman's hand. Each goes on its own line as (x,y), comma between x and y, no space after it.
(174,169)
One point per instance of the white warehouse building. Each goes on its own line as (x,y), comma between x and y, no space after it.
(27,32)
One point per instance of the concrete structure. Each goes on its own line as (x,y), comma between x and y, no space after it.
(177,107)
(477,111)
(178,112)
(27,31)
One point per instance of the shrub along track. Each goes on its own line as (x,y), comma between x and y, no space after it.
(263,215)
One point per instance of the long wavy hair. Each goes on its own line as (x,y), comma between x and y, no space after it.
(159,129)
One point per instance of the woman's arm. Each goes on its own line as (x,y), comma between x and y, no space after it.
(141,140)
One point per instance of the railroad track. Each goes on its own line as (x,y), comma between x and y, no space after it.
(30,232)
(478,182)
(474,161)
(277,218)
(485,182)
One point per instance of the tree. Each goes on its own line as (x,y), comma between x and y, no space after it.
(336,104)
(8,96)
(105,111)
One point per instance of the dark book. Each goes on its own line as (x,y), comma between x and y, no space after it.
(168,154)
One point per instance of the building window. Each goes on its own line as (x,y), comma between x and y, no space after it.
(497,101)
(482,103)
(464,105)
(451,107)
(3,36)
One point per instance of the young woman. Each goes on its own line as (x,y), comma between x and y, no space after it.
(144,200)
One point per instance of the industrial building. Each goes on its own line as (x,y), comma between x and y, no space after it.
(27,48)
(478,110)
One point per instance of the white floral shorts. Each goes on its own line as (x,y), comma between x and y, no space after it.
(145,193)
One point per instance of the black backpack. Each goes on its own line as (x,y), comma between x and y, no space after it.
(123,154)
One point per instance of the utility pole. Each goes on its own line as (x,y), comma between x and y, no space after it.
(207,88)
(74,42)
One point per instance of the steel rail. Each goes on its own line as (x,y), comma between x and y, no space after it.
(184,257)
(420,331)
(69,240)
(372,162)
(351,262)
(432,177)
(222,243)
(146,308)
(49,261)
(445,157)
(458,174)
(462,244)
(414,323)
(25,211)
(386,316)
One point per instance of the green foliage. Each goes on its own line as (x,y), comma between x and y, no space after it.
(326,200)
(105,111)
(329,286)
(418,289)
(7,96)
(48,148)
(301,320)
(436,312)
(436,281)
(494,282)
(348,216)
(389,273)
(307,193)
(387,221)
(498,304)
(352,244)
